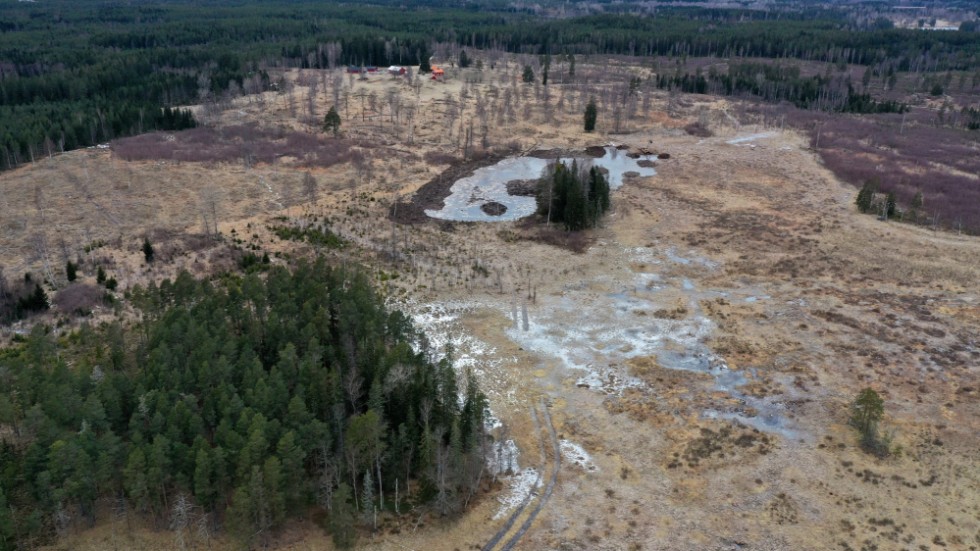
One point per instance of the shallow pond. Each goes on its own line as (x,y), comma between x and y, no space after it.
(469,195)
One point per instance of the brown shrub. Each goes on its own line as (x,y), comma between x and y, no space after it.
(232,144)
(699,130)
(79,298)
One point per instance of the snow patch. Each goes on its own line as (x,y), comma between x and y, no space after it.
(576,455)
(502,459)
(750,138)
(520,487)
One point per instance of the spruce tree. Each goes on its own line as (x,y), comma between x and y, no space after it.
(71,271)
(590,115)
(865,197)
(528,76)
(424,66)
(576,208)
(147,250)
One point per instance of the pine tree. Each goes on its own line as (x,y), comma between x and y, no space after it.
(100,276)
(464,60)
(135,481)
(71,271)
(590,115)
(203,486)
(867,410)
(341,521)
(331,121)
(890,204)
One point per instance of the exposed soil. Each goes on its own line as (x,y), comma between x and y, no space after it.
(527,188)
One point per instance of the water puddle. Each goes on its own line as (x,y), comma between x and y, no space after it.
(485,190)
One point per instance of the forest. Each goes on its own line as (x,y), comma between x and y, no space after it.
(76,75)
(234,405)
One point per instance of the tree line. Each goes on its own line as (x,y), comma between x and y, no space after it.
(236,404)
(778,82)
(73,75)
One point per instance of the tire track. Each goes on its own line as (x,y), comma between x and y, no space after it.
(547,491)
(527,499)
(532,515)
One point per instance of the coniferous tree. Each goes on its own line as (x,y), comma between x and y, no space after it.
(574,197)
(7,533)
(464,60)
(865,197)
(331,121)
(71,271)
(528,75)
(341,520)
(425,66)
(241,398)
(867,410)
(590,115)
(147,250)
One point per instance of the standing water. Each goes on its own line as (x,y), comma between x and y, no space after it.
(469,195)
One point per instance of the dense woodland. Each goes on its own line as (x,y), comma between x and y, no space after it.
(233,406)
(74,75)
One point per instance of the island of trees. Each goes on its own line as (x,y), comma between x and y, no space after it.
(573,196)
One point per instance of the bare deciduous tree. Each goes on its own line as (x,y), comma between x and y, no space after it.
(180,516)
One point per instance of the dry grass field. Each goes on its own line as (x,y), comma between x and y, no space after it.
(696,361)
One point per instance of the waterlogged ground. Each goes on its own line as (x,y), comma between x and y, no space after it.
(586,338)
(595,327)
(489,185)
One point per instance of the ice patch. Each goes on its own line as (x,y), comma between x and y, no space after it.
(489,185)
(576,455)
